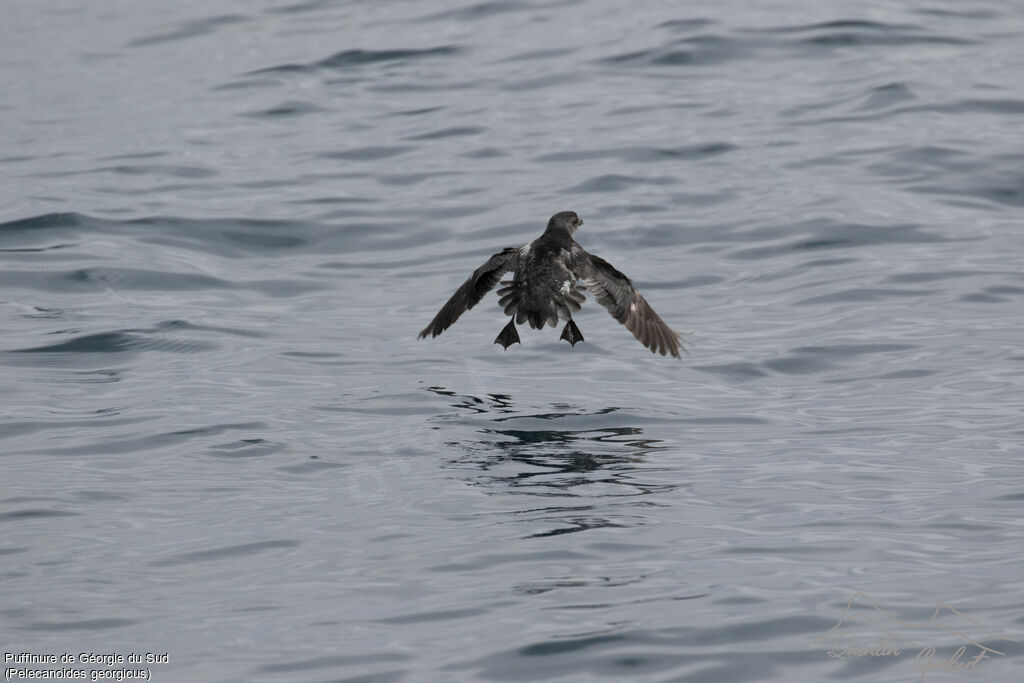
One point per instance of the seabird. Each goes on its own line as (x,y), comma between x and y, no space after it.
(545,288)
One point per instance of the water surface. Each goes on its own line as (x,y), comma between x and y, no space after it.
(223,224)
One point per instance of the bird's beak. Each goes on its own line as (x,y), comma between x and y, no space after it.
(581,221)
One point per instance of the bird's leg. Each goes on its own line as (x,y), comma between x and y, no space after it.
(571,333)
(508,335)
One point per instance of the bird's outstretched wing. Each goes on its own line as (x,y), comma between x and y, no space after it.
(472,290)
(616,292)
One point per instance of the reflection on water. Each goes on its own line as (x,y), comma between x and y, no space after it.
(517,452)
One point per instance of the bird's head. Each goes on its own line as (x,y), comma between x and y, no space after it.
(565,220)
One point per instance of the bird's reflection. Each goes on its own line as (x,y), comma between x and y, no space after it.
(594,460)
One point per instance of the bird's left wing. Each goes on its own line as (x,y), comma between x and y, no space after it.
(616,292)
(472,290)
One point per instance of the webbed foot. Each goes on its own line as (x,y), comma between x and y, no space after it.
(508,335)
(571,333)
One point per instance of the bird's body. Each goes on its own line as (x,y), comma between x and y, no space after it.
(545,288)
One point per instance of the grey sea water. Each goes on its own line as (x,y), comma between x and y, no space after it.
(222,225)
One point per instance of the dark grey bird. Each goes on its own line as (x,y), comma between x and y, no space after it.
(545,288)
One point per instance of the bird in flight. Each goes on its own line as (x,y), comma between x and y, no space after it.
(545,288)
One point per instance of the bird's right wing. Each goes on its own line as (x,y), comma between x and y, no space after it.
(472,290)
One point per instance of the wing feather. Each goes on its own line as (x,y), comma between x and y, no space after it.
(472,290)
(616,292)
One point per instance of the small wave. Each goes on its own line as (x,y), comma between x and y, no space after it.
(103,278)
(456,131)
(827,234)
(245,448)
(33,513)
(348,59)
(861,32)
(615,182)
(84,625)
(887,95)
(46,221)
(119,342)
(686,24)
(156,338)
(704,50)
(644,154)
(370,153)
(286,109)
(483,10)
(232,552)
(190,29)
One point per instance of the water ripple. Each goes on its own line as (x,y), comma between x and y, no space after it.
(348,59)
